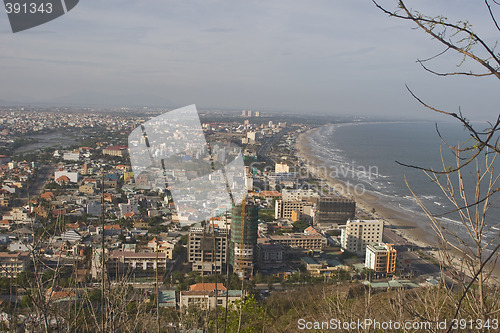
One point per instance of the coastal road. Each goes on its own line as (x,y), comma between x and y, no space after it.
(421,265)
(266,145)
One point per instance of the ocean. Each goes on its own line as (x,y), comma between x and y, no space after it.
(365,155)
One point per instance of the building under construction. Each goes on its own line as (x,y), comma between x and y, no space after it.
(207,249)
(334,210)
(244,227)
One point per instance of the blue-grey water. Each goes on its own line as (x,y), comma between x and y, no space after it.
(365,154)
(47,140)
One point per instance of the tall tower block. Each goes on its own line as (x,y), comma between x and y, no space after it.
(244,227)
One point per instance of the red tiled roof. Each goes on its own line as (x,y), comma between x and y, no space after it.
(114,227)
(47,195)
(270,194)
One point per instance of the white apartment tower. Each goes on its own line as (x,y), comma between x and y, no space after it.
(356,234)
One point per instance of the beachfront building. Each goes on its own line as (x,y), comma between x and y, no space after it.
(356,234)
(381,258)
(334,210)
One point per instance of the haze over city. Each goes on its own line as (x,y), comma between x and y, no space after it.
(290,56)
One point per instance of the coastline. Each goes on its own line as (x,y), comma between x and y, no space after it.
(367,201)
(398,221)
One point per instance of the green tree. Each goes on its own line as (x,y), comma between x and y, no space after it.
(300,225)
(246,316)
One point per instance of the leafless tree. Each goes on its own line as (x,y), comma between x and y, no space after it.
(470,203)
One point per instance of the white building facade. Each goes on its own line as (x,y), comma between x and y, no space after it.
(356,234)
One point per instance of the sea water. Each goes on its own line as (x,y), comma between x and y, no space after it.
(367,155)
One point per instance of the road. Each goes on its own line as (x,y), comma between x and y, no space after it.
(421,265)
(37,183)
(266,145)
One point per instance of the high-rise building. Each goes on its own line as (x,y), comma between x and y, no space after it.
(381,258)
(334,210)
(244,226)
(207,249)
(356,234)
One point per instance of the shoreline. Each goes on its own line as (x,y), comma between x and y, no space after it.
(367,201)
(398,221)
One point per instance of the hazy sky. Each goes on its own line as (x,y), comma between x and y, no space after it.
(326,56)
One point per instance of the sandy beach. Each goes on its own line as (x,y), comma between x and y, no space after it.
(400,222)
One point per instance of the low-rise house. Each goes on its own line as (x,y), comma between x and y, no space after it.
(5,224)
(72,175)
(18,215)
(41,211)
(47,196)
(141,224)
(206,296)
(77,226)
(63,180)
(134,232)
(162,247)
(112,230)
(167,299)
(59,295)
(322,266)
(89,189)
(71,236)
(94,208)
(19,246)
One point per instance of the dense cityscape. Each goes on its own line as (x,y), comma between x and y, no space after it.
(68,192)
